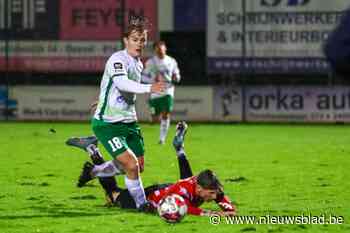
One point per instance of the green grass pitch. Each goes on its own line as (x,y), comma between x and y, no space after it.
(266,169)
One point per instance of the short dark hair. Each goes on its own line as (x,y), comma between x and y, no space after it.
(208,180)
(158,43)
(136,23)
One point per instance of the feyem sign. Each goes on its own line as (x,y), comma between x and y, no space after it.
(92,20)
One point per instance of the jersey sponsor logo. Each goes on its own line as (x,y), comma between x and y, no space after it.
(118,66)
(119,69)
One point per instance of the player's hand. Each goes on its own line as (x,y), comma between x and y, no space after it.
(93,107)
(223,213)
(158,87)
(228,213)
(174,79)
(159,78)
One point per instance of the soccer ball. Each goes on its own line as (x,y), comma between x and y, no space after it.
(172,208)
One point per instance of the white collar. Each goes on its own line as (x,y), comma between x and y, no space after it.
(161,59)
(137,59)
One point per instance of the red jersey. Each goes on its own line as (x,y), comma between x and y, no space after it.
(187,189)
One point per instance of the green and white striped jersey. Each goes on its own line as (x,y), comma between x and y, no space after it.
(120,83)
(166,67)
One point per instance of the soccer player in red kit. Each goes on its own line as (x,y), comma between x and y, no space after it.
(195,190)
(204,187)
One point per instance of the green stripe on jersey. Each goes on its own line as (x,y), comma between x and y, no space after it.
(110,82)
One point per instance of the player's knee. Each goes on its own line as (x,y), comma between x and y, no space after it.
(165,115)
(141,162)
(132,167)
(141,167)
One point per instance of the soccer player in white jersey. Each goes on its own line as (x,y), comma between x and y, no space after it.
(114,121)
(165,68)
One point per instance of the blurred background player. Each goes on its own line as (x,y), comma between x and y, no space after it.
(165,68)
(205,187)
(114,121)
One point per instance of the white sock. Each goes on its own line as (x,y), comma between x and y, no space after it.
(92,150)
(107,169)
(164,127)
(181,152)
(136,190)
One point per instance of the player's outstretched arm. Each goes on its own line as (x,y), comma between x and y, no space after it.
(176,77)
(127,85)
